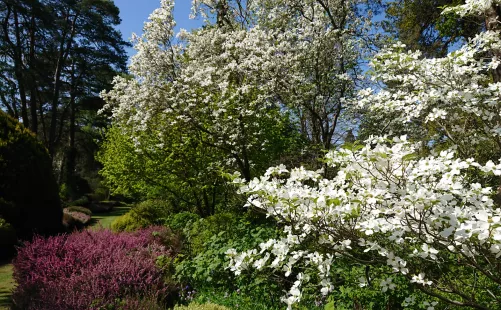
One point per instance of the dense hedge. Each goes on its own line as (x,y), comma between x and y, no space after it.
(29,198)
(7,239)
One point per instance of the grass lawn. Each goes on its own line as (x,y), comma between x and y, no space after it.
(6,284)
(104,220)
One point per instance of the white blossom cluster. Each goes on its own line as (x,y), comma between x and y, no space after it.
(211,81)
(385,199)
(472,7)
(230,82)
(382,200)
(453,93)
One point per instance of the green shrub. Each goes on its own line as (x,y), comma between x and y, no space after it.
(205,229)
(195,306)
(64,192)
(145,214)
(182,220)
(79,209)
(102,206)
(28,189)
(96,196)
(205,262)
(156,207)
(82,201)
(102,192)
(129,222)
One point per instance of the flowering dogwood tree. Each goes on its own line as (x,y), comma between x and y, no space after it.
(384,207)
(207,83)
(452,97)
(236,81)
(431,219)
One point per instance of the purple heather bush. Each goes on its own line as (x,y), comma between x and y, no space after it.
(93,269)
(79,216)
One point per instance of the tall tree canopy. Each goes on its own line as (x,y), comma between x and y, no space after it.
(420,25)
(257,76)
(55,55)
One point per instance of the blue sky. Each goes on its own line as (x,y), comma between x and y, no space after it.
(135,12)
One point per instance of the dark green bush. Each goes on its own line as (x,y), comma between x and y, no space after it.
(96,196)
(145,214)
(82,201)
(28,189)
(102,206)
(7,239)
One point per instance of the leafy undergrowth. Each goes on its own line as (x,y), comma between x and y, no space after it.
(93,269)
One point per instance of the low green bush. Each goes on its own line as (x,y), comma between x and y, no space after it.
(205,262)
(195,306)
(129,222)
(145,214)
(64,192)
(102,206)
(142,303)
(155,208)
(82,201)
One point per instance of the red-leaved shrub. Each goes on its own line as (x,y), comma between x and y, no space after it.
(92,269)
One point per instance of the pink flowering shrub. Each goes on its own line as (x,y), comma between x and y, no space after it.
(92,269)
(79,216)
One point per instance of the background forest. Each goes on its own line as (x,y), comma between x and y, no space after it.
(300,154)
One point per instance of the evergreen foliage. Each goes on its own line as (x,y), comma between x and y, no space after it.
(29,197)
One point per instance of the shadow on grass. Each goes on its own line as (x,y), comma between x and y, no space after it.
(6,284)
(5,298)
(104,220)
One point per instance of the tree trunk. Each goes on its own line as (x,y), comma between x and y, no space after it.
(33,92)
(18,68)
(63,54)
(71,153)
(492,23)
